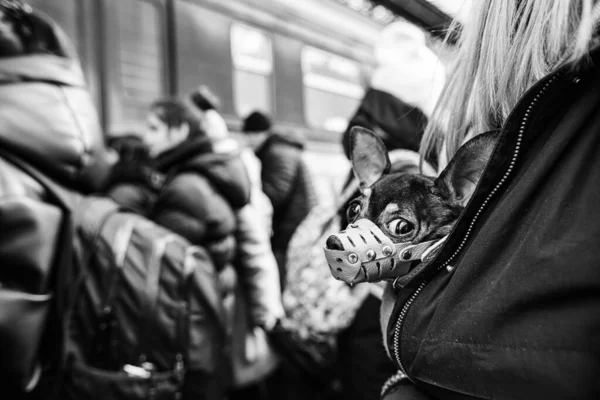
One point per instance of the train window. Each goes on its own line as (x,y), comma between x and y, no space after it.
(141,58)
(332,88)
(252,53)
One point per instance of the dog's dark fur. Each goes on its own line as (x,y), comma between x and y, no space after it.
(407,207)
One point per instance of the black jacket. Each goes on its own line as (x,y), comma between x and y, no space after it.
(510,308)
(287,182)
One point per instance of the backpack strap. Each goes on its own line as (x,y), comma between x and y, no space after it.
(64,275)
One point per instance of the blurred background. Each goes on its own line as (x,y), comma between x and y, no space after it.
(307,63)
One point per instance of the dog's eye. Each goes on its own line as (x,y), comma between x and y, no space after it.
(353,211)
(400,227)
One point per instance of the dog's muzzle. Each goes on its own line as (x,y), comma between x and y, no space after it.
(363,253)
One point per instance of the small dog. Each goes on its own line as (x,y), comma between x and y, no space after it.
(399,217)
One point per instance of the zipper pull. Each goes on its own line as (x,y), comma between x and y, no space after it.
(179,367)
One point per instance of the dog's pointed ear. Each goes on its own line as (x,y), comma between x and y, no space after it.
(369,156)
(459,179)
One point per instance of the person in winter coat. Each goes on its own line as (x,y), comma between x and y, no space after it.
(254,219)
(203,189)
(258,303)
(286,181)
(403,89)
(206,198)
(215,127)
(48,122)
(510,307)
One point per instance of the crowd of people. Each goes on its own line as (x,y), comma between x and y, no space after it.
(510,307)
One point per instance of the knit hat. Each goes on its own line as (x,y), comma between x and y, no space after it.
(205,99)
(256,122)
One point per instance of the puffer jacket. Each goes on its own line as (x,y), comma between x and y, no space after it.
(510,307)
(287,182)
(201,195)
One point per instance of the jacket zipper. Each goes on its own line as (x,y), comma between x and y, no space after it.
(184,318)
(412,298)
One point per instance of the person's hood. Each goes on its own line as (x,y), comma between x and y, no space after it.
(223,168)
(42,67)
(47,117)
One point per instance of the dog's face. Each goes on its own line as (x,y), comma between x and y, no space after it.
(411,208)
(407,208)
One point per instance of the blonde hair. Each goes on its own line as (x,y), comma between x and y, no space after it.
(505,48)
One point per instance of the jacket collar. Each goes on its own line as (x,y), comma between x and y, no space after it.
(183,152)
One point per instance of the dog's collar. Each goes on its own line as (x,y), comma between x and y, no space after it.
(369,255)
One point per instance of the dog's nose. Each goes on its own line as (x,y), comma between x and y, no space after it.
(334,243)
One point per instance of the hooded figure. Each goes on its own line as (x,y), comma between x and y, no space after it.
(47,115)
(403,90)
(49,127)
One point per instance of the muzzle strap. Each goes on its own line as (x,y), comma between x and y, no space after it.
(424,251)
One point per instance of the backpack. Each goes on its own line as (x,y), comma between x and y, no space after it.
(317,304)
(36,275)
(148,321)
(318,307)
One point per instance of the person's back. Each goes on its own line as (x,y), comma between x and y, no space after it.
(258,300)
(50,138)
(286,181)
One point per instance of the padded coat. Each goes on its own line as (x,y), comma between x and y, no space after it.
(510,307)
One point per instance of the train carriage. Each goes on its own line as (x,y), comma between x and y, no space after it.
(304,62)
